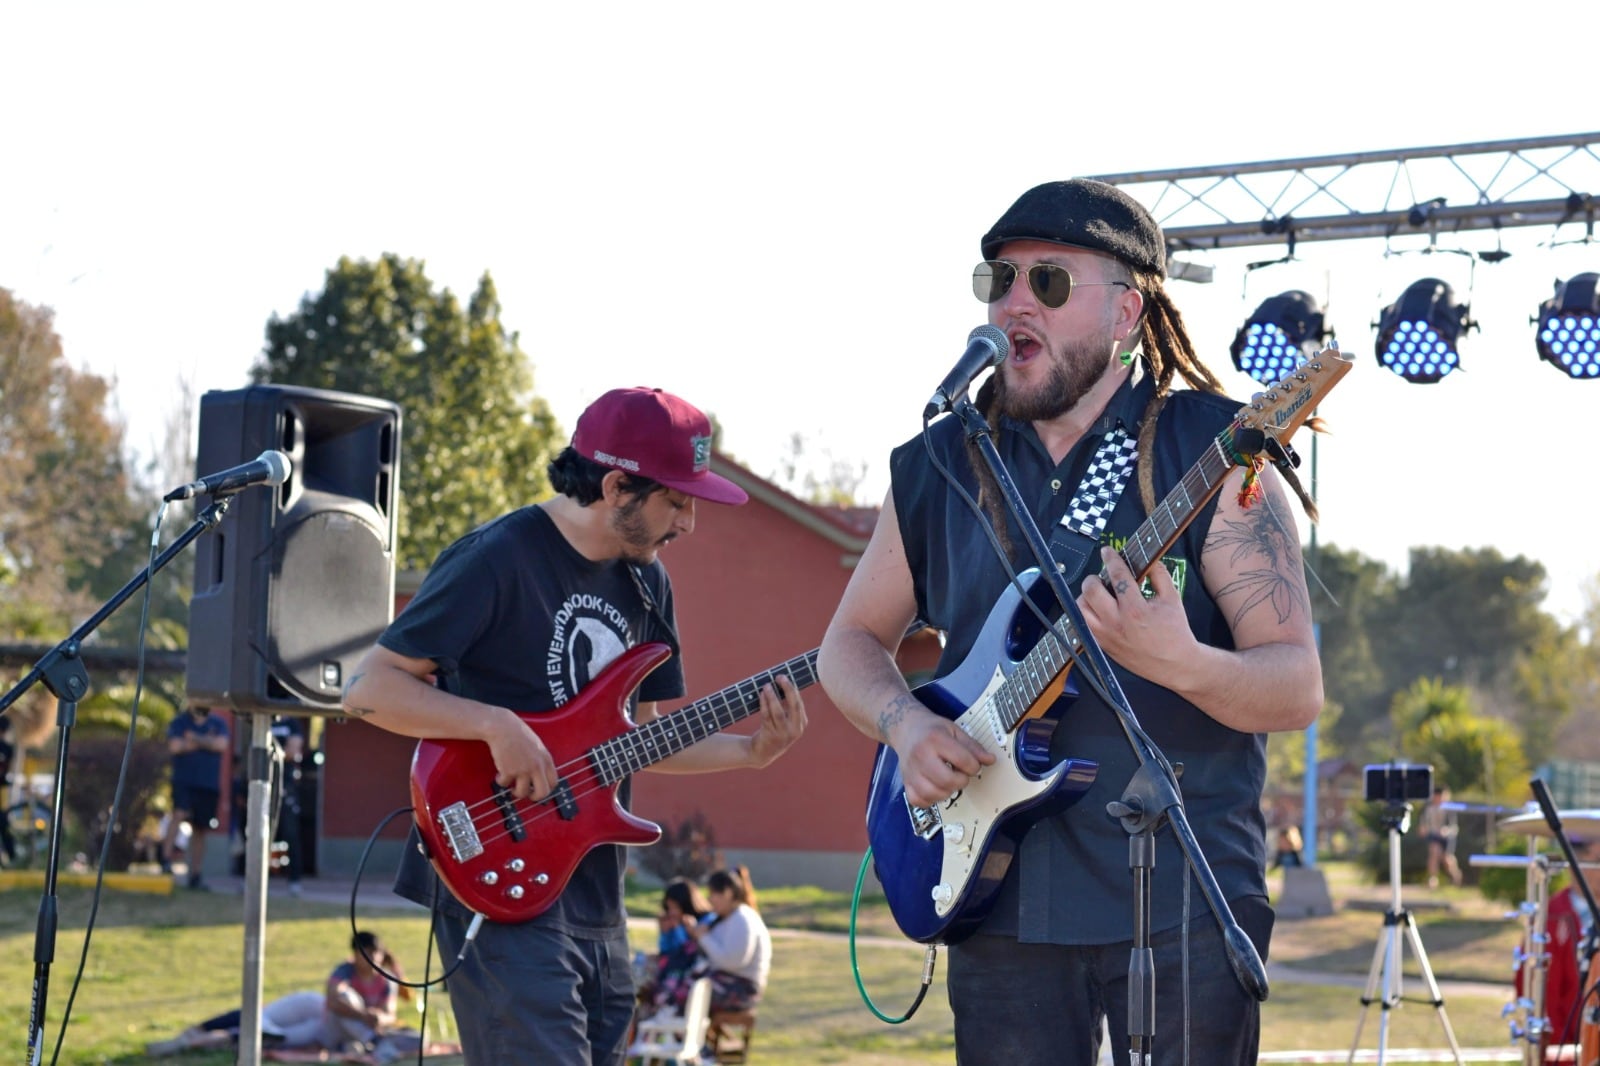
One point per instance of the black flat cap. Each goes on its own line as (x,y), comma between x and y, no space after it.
(1084,213)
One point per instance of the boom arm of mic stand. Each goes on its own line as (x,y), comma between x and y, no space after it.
(69,648)
(1157,793)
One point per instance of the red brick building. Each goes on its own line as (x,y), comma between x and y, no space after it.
(755,586)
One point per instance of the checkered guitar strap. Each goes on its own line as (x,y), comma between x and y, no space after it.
(1075,539)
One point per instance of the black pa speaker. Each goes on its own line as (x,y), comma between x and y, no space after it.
(297,581)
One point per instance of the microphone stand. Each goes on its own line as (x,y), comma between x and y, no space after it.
(1152,793)
(63,673)
(1591,935)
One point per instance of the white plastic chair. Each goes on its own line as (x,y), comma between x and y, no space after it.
(675,1039)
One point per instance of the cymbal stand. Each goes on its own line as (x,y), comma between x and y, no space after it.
(1532,960)
(1387,963)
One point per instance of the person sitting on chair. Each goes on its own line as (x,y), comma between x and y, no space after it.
(1289,845)
(737,946)
(683,906)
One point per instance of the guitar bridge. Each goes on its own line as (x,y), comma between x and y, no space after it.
(926,822)
(460,833)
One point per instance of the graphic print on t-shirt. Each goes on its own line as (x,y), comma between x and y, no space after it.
(588,633)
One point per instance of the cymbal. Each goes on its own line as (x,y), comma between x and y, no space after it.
(1579,824)
(1461,807)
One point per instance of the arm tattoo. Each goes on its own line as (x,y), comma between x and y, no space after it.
(350,686)
(896,712)
(1258,535)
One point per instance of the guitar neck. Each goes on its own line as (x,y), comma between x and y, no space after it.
(1049,657)
(1173,514)
(687,726)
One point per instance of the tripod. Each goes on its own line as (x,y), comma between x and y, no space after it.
(1386,960)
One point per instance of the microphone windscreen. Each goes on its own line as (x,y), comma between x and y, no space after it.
(995,337)
(279,464)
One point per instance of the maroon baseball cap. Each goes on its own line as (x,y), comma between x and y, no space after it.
(655,435)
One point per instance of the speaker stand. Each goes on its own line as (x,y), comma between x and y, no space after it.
(257,856)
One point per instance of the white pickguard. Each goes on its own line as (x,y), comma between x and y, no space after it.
(970,817)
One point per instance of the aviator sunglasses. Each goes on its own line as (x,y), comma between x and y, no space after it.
(1052,284)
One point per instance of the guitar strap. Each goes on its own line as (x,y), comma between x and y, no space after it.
(667,632)
(1076,538)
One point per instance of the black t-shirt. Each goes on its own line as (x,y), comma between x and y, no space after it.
(1070,882)
(514,616)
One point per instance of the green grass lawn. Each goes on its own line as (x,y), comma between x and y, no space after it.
(159,963)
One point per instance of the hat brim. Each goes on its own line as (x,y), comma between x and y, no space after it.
(709,486)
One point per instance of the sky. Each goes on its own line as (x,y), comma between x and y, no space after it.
(774,210)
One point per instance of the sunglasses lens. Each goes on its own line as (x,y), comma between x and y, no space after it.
(992,279)
(1051,284)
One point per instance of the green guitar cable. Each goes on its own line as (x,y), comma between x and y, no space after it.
(855,968)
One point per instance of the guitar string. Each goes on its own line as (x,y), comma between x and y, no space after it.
(527,810)
(1045,659)
(668,726)
(489,809)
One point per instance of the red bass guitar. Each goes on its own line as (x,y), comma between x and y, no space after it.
(508,859)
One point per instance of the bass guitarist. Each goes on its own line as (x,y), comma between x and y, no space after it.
(519,616)
(1216,650)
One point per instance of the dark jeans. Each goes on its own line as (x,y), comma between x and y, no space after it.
(1024,1003)
(528,994)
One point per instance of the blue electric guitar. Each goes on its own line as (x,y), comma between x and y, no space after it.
(942,866)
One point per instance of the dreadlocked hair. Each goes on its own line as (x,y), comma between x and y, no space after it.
(1166,351)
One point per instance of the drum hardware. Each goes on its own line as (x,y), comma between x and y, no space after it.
(1387,964)
(1529,1028)
(1532,957)
(1584,824)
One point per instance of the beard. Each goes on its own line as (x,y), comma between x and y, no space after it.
(640,544)
(1073,372)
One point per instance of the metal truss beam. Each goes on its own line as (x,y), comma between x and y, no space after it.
(1422,192)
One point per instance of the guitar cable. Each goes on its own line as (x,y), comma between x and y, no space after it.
(855,967)
(433,912)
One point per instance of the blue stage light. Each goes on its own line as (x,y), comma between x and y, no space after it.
(1417,334)
(1278,336)
(1569,327)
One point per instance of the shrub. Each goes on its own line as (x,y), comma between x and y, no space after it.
(94,762)
(688,851)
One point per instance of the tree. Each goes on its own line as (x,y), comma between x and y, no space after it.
(61,470)
(1555,683)
(1470,753)
(1348,591)
(475,441)
(835,486)
(75,527)
(1465,615)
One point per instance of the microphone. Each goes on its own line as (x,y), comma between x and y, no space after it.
(986,347)
(268,468)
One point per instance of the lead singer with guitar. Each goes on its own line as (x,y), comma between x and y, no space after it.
(519,616)
(1217,651)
